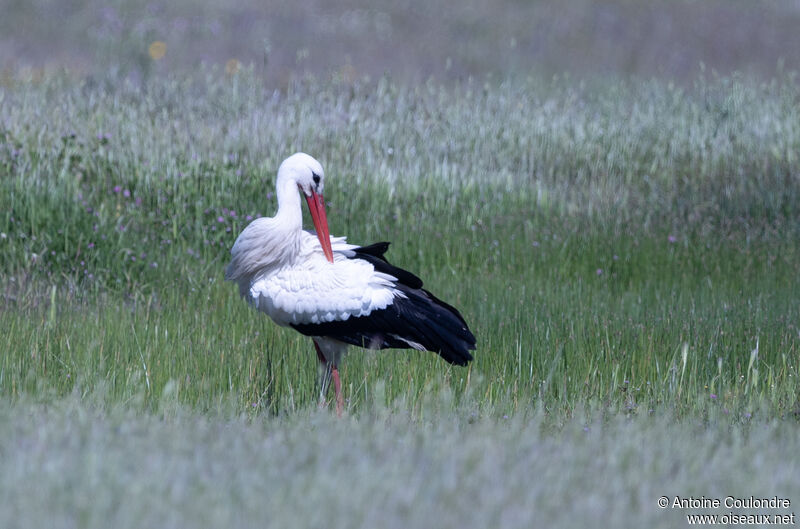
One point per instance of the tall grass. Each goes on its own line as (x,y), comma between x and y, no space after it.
(79,464)
(630,245)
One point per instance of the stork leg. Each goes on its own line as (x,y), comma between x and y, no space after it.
(330,371)
(337,387)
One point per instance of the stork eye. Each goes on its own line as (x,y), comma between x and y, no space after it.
(316,178)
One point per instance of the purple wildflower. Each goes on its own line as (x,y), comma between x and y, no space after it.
(672,239)
(117,189)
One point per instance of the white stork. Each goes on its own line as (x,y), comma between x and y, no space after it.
(339,294)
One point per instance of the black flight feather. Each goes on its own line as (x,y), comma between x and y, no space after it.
(415,317)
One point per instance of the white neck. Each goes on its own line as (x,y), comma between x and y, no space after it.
(268,243)
(290,212)
(287,224)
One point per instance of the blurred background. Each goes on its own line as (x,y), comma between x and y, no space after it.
(409,40)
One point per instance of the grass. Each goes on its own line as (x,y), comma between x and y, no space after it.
(624,251)
(632,261)
(412,40)
(75,464)
(564,342)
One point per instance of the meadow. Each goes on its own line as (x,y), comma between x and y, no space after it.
(625,252)
(409,39)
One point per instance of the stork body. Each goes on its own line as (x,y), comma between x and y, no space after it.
(337,293)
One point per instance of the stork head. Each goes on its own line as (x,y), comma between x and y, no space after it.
(305,171)
(310,178)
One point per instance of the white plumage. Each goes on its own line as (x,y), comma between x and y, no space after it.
(312,290)
(336,292)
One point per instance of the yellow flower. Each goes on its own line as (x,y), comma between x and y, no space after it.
(157,50)
(232,66)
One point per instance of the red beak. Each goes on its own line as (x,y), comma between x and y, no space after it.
(316,205)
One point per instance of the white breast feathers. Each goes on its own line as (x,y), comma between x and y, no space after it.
(313,290)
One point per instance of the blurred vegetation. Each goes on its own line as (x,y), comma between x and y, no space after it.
(408,40)
(85,462)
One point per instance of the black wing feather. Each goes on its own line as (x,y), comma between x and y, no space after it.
(373,254)
(415,316)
